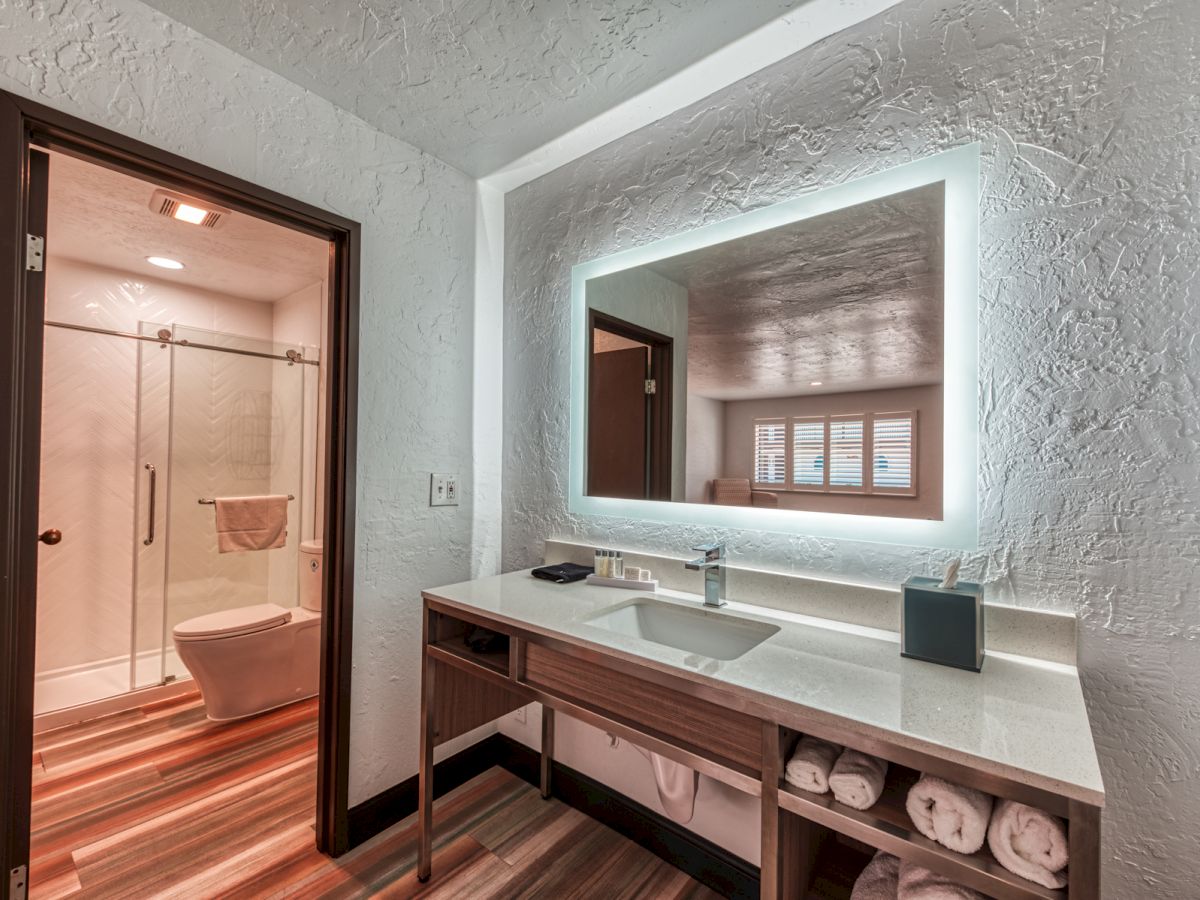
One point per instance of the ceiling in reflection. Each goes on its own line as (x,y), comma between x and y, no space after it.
(852,299)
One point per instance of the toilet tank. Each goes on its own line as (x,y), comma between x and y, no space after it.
(311,574)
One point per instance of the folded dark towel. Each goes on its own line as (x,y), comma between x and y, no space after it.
(563,573)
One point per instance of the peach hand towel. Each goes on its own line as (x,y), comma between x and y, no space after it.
(953,815)
(857,779)
(919,883)
(1029,843)
(809,767)
(251,523)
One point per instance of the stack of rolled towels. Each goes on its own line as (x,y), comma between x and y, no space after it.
(1025,840)
(818,767)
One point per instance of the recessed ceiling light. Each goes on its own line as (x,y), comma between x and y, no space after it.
(164,262)
(815,383)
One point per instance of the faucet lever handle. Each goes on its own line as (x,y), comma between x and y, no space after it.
(711,551)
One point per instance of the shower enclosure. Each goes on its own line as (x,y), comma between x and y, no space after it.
(139,429)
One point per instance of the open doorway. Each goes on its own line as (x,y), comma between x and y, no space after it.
(629,410)
(180,438)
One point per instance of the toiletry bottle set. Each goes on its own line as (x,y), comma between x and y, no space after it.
(610,564)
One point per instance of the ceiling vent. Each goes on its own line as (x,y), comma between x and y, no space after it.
(187,209)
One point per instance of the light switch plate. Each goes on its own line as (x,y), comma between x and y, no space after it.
(443,490)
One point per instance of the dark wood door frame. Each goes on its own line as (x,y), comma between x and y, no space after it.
(659,405)
(25,124)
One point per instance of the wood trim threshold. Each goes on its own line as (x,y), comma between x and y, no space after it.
(708,863)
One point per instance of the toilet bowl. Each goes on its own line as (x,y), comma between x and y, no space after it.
(255,658)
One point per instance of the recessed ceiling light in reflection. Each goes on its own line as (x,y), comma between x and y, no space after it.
(164,262)
(815,383)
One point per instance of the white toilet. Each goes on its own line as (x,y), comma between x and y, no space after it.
(255,658)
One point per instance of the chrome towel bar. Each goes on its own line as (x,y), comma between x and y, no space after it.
(208,501)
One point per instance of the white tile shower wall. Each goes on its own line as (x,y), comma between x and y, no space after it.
(1088,451)
(124,66)
(92,461)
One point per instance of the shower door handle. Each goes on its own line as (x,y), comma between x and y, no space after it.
(153,496)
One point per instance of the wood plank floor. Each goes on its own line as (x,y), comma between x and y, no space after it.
(160,802)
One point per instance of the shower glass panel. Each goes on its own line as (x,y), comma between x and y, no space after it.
(236,429)
(154,362)
(88,490)
(134,433)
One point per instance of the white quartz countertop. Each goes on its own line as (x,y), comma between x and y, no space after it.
(1019,718)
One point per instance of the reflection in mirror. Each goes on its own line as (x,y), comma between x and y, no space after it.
(798,367)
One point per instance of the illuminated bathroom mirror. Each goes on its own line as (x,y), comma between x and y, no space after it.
(807,368)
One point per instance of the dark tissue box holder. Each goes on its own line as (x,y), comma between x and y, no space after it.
(942,625)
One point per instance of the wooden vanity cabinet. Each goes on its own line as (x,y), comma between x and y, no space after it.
(740,740)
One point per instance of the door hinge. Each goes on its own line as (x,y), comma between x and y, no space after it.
(35,253)
(18,883)
(651,386)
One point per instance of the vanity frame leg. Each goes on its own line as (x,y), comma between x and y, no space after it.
(425,771)
(787,842)
(547,763)
(1083,838)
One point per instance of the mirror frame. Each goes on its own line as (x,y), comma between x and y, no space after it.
(959,527)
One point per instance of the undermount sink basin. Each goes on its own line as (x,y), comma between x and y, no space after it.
(709,633)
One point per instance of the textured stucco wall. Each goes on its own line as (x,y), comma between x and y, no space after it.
(1089,459)
(118,63)
(705,445)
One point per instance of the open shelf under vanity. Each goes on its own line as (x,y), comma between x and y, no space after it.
(887,826)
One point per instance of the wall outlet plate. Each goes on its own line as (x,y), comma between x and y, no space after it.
(443,490)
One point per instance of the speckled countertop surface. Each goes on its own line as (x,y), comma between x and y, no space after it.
(1023,720)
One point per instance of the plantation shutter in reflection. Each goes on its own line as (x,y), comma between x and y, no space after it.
(770,452)
(846,453)
(808,453)
(893,452)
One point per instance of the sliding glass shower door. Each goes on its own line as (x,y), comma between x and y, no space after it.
(237,417)
(139,428)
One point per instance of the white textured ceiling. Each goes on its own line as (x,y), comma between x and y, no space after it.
(852,299)
(103,217)
(477,83)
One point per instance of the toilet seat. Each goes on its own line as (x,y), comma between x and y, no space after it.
(233,622)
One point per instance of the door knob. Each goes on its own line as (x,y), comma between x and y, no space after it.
(50,536)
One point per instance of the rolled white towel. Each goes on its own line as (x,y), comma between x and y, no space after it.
(1029,843)
(879,880)
(919,883)
(953,815)
(857,779)
(809,767)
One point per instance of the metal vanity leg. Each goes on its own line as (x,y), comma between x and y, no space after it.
(425,774)
(547,749)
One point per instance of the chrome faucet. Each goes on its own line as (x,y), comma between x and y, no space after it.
(712,563)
